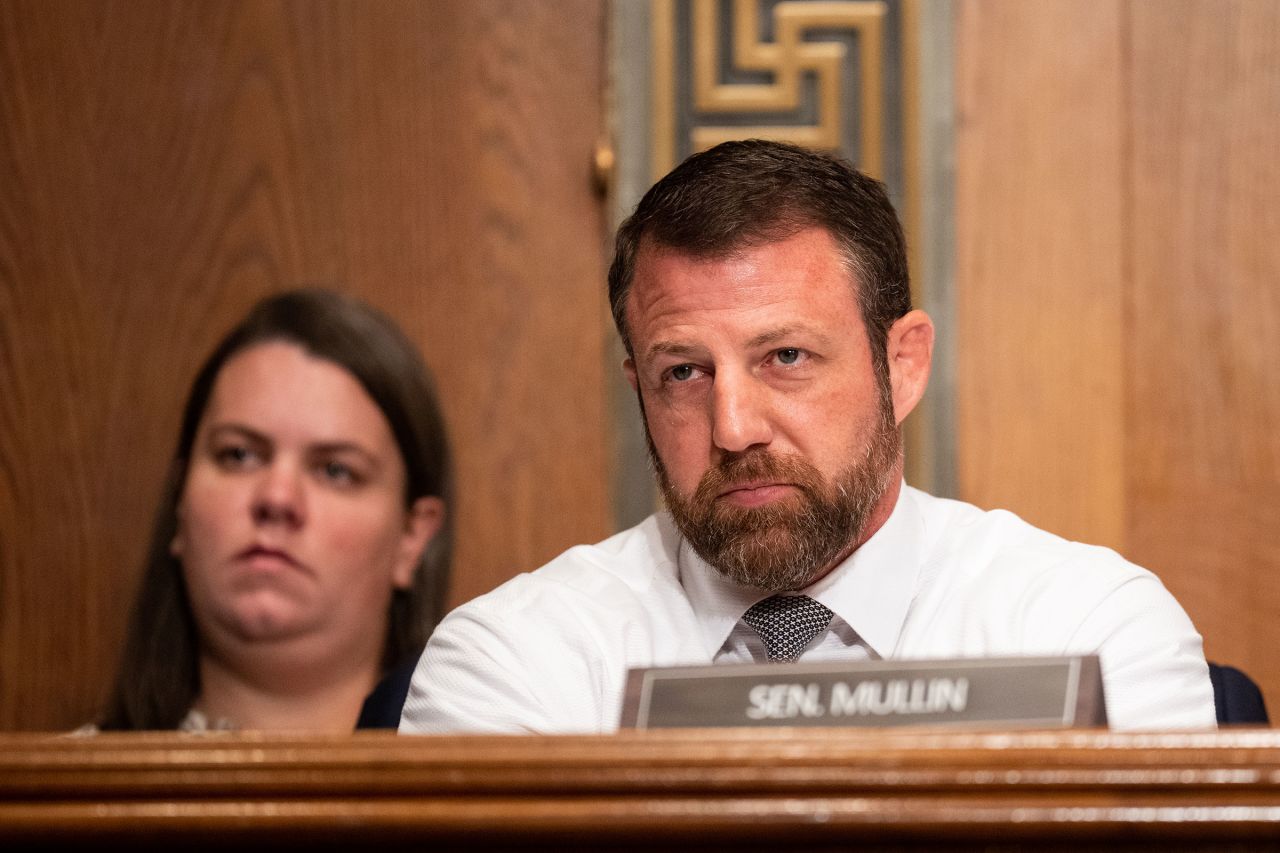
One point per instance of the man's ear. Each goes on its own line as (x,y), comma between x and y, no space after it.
(629,370)
(421,525)
(909,346)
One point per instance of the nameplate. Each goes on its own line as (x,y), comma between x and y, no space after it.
(1013,692)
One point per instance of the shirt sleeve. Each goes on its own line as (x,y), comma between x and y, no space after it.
(1153,667)
(489,671)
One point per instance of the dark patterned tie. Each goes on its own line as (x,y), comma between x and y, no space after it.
(787,623)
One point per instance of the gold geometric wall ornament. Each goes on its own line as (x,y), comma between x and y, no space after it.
(792,70)
(786,58)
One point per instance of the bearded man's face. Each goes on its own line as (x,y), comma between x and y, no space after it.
(772,429)
(787,543)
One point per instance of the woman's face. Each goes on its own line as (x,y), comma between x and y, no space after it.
(291,523)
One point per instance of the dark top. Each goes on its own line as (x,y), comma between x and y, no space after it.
(382,707)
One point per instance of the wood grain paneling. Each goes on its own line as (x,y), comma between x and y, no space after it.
(1122,160)
(1204,430)
(164,165)
(1039,305)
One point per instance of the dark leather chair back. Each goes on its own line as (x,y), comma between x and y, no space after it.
(1235,697)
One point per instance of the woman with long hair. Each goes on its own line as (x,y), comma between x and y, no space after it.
(301,549)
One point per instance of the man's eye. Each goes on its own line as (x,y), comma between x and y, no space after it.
(790,355)
(682,372)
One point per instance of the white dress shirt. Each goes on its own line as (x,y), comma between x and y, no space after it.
(549,651)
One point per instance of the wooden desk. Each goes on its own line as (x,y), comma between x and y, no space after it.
(783,789)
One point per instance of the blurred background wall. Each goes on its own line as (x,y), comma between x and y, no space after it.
(1117,291)
(1091,190)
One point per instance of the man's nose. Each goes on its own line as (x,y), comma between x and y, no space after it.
(279,497)
(740,415)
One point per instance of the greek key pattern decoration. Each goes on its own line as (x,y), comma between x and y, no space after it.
(818,73)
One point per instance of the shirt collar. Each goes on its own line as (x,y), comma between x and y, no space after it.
(717,602)
(871,590)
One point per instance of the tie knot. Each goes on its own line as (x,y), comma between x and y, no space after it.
(787,623)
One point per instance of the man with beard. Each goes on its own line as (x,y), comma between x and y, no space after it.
(761,291)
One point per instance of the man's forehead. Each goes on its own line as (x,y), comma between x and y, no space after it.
(757,294)
(652,246)
(655,262)
(651,252)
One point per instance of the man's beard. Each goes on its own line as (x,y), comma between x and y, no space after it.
(786,544)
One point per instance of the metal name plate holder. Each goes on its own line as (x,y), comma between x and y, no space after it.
(1009,692)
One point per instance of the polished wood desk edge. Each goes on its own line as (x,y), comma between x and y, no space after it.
(831,783)
(765,746)
(767,760)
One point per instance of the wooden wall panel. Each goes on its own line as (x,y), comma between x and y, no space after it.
(1205,303)
(164,165)
(1039,305)
(1119,167)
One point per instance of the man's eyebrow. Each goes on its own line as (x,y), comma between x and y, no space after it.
(773,336)
(670,348)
